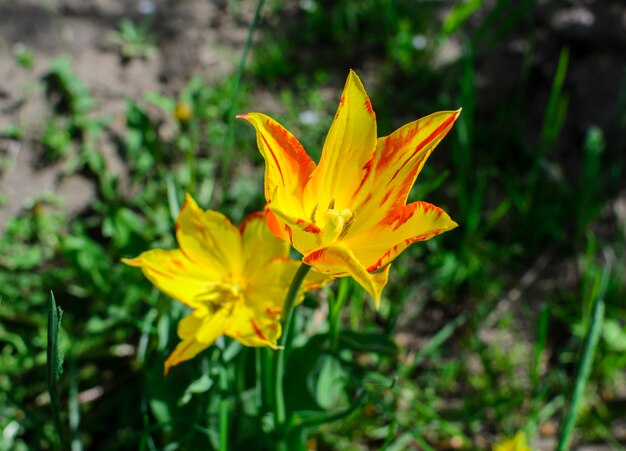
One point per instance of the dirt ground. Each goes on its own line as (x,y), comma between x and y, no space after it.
(193,37)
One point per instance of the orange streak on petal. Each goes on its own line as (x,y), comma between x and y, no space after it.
(274,224)
(399,216)
(385,198)
(273,311)
(289,233)
(247,219)
(368,107)
(287,141)
(280,171)
(311,228)
(258,331)
(392,144)
(178,264)
(434,135)
(367,168)
(172,359)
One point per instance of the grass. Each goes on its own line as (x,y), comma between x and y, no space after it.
(483,332)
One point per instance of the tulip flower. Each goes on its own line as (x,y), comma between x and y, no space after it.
(348,215)
(234,278)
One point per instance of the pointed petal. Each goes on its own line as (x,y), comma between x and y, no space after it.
(339,261)
(398,161)
(256,322)
(267,289)
(174,274)
(349,146)
(418,221)
(287,165)
(213,324)
(302,234)
(260,245)
(188,328)
(209,239)
(258,326)
(185,350)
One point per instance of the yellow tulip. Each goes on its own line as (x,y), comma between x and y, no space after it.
(347,215)
(234,278)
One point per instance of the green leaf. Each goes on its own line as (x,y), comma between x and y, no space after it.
(55,357)
(367,342)
(54,366)
(459,13)
(330,387)
(311,418)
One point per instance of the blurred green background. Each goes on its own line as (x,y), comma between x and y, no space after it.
(111,111)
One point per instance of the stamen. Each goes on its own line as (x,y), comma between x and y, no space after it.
(336,225)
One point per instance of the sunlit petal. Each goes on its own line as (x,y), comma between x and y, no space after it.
(287,165)
(189,347)
(255,323)
(271,284)
(209,239)
(418,221)
(260,245)
(349,146)
(301,233)
(174,274)
(398,161)
(185,350)
(339,261)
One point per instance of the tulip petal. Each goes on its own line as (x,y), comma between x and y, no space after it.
(198,330)
(418,221)
(272,284)
(302,234)
(260,245)
(287,165)
(185,350)
(398,161)
(174,274)
(209,239)
(349,146)
(340,261)
(257,325)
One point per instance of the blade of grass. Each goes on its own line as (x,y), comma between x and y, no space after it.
(228,139)
(553,121)
(74,408)
(54,367)
(540,345)
(434,343)
(584,369)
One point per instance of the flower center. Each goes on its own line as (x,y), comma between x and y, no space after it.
(336,225)
(222,294)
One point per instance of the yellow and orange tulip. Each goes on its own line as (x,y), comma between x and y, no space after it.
(347,215)
(234,278)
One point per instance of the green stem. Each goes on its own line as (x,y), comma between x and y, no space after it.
(279,360)
(228,140)
(223,406)
(334,311)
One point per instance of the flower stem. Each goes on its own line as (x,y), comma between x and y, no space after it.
(223,384)
(279,360)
